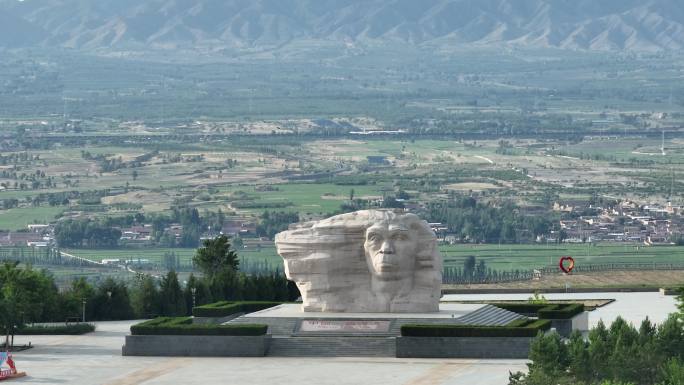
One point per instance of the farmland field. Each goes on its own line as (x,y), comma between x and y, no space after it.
(498,257)
(484,143)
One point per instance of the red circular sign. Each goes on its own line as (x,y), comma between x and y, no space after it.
(566,264)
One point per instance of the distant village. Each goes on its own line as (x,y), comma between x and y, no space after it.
(626,221)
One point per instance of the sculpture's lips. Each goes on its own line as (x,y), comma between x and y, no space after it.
(386,267)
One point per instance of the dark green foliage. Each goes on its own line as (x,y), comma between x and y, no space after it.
(74,329)
(88,233)
(560,311)
(273,222)
(215,256)
(619,355)
(237,286)
(528,329)
(145,297)
(171,294)
(480,222)
(112,301)
(672,372)
(26,295)
(226,308)
(184,326)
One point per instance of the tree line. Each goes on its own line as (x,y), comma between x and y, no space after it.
(483,222)
(29,295)
(618,355)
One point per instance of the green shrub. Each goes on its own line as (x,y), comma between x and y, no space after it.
(183,326)
(562,312)
(529,329)
(226,308)
(75,329)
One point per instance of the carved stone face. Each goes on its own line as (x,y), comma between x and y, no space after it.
(391,250)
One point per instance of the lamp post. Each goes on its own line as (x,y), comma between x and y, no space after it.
(109,303)
(83,302)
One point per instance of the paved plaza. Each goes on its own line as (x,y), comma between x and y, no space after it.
(96,358)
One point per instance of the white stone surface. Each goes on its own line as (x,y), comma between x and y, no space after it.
(367,261)
(632,307)
(95,359)
(446,310)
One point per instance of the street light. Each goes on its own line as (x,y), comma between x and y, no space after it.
(84,303)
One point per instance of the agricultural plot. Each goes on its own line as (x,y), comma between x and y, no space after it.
(496,257)
(155,255)
(528,257)
(18,218)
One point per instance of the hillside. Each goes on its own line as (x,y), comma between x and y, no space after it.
(645,25)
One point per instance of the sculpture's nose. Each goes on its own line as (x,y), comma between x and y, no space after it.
(387,248)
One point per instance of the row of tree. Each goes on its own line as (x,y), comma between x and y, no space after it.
(619,355)
(30,295)
(86,233)
(480,222)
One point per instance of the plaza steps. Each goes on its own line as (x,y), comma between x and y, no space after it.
(488,315)
(332,346)
(287,341)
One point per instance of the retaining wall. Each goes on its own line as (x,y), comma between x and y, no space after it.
(463,347)
(196,346)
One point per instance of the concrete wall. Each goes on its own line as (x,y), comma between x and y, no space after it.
(564,327)
(463,347)
(196,346)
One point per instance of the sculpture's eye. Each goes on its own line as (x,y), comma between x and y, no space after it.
(373,237)
(400,237)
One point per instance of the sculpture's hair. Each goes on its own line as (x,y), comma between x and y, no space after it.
(428,259)
(344,236)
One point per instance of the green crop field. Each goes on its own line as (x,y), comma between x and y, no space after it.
(498,257)
(18,218)
(526,257)
(306,197)
(155,255)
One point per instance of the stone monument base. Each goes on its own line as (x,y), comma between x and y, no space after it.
(297,333)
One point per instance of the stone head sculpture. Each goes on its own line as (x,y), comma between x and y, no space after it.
(366,261)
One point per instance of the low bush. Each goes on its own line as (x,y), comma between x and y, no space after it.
(226,308)
(530,328)
(561,311)
(183,326)
(74,329)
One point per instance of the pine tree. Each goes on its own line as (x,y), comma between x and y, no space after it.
(215,256)
(172,298)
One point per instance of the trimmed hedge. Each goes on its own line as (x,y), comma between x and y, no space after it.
(530,328)
(75,329)
(226,308)
(561,312)
(183,326)
(544,311)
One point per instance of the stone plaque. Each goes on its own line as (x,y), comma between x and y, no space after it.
(344,326)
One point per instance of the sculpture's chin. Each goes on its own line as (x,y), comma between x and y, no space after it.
(388,275)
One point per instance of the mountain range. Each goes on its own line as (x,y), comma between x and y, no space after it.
(641,25)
